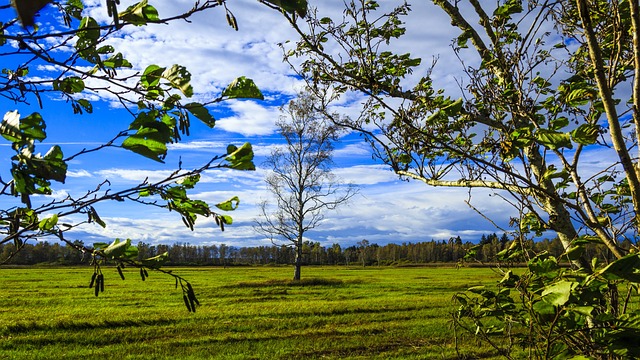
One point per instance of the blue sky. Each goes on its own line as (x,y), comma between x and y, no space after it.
(386,210)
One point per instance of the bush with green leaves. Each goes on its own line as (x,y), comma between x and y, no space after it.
(551,311)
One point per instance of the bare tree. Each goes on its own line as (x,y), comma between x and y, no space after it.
(302,183)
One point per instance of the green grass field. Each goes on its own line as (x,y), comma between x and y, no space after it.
(246,313)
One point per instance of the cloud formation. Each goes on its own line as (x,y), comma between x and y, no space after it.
(386,210)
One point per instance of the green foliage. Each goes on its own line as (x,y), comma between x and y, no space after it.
(240,158)
(70,85)
(22,132)
(117,249)
(48,223)
(122,252)
(199,111)
(151,136)
(179,78)
(79,47)
(242,88)
(156,261)
(298,7)
(555,312)
(139,14)
(586,134)
(229,205)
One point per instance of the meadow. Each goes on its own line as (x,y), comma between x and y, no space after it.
(245,313)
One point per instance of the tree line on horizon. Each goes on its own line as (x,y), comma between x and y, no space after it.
(364,253)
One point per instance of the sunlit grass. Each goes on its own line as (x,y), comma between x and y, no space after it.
(246,313)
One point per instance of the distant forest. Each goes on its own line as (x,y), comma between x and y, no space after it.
(364,253)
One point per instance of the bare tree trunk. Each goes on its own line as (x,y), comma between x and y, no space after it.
(298,261)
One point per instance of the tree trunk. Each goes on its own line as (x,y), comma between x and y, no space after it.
(559,217)
(298,261)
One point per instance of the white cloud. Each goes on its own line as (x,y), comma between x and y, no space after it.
(134,175)
(57,195)
(78,174)
(251,119)
(264,149)
(208,47)
(366,174)
(351,150)
(213,146)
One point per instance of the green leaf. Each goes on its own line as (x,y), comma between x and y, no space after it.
(22,130)
(574,252)
(553,173)
(147,142)
(151,76)
(462,40)
(74,8)
(240,158)
(33,127)
(477,289)
(553,139)
(70,85)
(117,248)
(583,310)
(544,309)
(87,39)
(201,112)
(190,208)
(189,182)
(242,88)
(229,205)
(170,102)
(117,61)
(416,62)
(88,30)
(106,49)
(627,268)
(145,193)
(48,223)
(131,252)
(453,109)
(86,105)
(580,96)
(509,279)
(10,127)
(52,165)
(179,78)
(291,6)
(541,82)
(559,123)
(509,8)
(586,134)
(100,245)
(139,14)
(558,294)
(156,261)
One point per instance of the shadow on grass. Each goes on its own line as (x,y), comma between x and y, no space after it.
(309,282)
(394,348)
(23,327)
